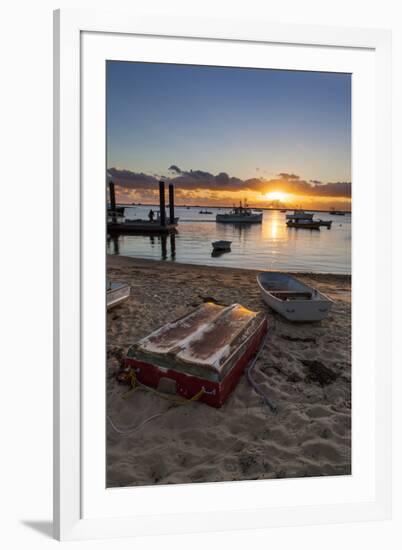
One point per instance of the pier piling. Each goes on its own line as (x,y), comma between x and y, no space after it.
(162,203)
(171,203)
(112,201)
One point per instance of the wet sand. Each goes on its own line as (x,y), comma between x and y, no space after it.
(304,368)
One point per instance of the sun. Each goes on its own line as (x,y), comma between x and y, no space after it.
(275,196)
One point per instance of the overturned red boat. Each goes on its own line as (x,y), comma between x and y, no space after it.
(201,354)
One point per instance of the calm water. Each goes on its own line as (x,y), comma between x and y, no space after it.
(270,245)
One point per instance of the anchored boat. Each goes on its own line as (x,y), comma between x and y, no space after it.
(201,355)
(240,214)
(300,215)
(334,212)
(304,224)
(222,246)
(325,223)
(293,299)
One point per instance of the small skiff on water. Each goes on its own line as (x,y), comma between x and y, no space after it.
(326,223)
(334,212)
(221,246)
(116,293)
(293,299)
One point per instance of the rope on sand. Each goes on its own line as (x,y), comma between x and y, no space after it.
(272,406)
(134,385)
(131,429)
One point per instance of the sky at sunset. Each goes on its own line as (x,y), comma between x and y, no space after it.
(226,134)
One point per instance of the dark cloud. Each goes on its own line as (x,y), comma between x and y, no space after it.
(132,180)
(223,178)
(174,168)
(194,180)
(335,189)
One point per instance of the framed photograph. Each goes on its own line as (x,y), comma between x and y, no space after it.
(222,328)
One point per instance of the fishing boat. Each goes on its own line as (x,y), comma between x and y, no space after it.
(201,355)
(283,211)
(303,224)
(293,299)
(204,212)
(116,293)
(240,214)
(300,215)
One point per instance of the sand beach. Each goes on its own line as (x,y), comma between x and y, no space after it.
(304,368)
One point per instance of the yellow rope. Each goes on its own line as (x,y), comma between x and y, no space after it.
(135,384)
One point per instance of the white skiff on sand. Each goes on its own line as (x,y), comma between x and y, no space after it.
(116,293)
(293,299)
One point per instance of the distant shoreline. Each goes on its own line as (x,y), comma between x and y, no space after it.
(231,206)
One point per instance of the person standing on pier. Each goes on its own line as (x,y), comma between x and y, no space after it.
(151,215)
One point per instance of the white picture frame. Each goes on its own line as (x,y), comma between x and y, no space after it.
(83,508)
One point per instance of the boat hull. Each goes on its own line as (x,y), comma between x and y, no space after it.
(297,310)
(222,246)
(233,218)
(303,225)
(215,393)
(117,294)
(325,223)
(183,355)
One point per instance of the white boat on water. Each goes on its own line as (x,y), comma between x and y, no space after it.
(300,215)
(240,214)
(221,245)
(293,299)
(116,293)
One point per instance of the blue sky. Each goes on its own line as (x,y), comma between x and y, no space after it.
(248,123)
(228,119)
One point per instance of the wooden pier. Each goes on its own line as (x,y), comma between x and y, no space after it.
(161,226)
(141,227)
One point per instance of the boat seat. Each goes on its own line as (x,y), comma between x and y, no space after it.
(283,294)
